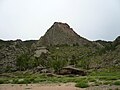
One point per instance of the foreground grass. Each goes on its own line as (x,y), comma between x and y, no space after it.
(82,84)
(93,79)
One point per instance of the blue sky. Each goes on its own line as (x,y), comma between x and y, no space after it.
(30,19)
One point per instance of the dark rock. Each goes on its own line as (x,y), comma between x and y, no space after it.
(73,71)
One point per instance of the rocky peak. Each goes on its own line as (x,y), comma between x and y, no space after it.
(60,24)
(59,34)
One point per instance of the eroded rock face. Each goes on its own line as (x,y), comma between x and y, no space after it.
(39,51)
(61,34)
(9,51)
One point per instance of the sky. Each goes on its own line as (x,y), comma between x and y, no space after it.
(30,19)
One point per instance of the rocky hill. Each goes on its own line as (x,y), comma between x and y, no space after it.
(61,34)
(60,46)
(10,50)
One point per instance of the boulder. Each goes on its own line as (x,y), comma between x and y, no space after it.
(69,70)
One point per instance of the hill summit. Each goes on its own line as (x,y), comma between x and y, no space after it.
(61,34)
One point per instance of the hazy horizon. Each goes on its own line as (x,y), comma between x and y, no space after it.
(30,19)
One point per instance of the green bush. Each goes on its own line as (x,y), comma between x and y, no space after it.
(82,84)
(57,64)
(1,81)
(116,83)
(31,79)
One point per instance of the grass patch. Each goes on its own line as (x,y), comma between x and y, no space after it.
(82,84)
(21,81)
(107,83)
(108,77)
(95,79)
(91,79)
(105,73)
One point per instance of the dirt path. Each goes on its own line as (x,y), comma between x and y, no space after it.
(68,86)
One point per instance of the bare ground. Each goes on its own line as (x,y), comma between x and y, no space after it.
(68,86)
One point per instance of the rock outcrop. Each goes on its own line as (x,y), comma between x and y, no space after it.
(61,34)
(10,50)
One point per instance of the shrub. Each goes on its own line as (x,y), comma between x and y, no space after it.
(116,83)
(1,81)
(57,64)
(31,79)
(82,84)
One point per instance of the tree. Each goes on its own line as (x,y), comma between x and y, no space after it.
(84,63)
(22,61)
(58,63)
(43,60)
